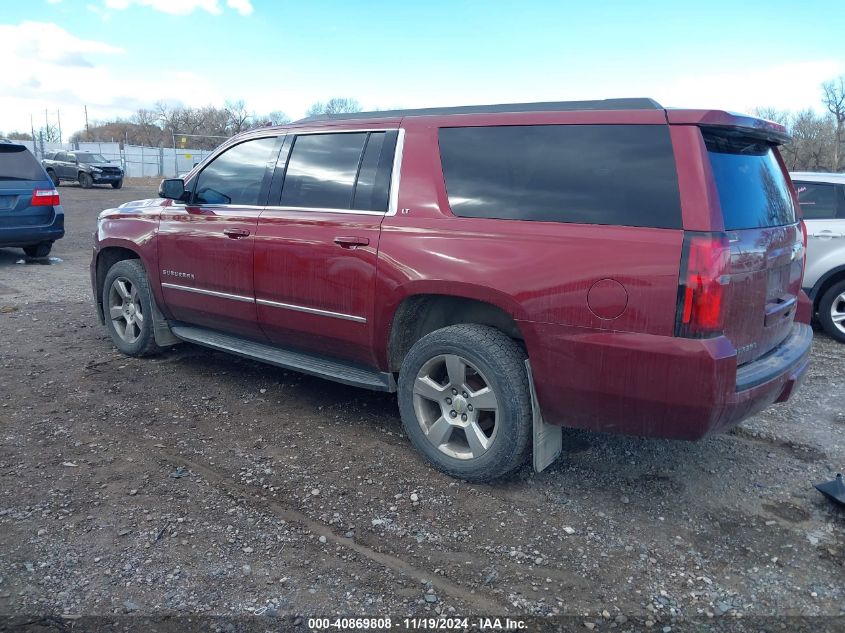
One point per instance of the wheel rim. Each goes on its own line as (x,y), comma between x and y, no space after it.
(456,407)
(125,309)
(837,312)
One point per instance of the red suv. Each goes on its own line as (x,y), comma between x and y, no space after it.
(508,270)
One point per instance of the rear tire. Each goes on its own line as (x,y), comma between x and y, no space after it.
(465,401)
(53,177)
(118,184)
(832,311)
(85,181)
(38,250)
(128,308)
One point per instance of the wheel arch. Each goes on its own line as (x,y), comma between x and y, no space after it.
(831,277)
(107,257)
(419,314)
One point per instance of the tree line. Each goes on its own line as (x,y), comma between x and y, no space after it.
(202,128)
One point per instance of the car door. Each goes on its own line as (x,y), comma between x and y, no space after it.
(317,242)
(66,166)
(823,208)
(205,246)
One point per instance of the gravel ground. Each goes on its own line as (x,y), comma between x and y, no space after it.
(200,483)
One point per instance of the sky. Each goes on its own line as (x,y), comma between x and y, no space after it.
(116,56)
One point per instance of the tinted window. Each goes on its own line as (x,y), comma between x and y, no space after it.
(322,169)
(18,163)
(236,175)
(87,157)
(594,174)
(817,200)
(753,192)
(372,189)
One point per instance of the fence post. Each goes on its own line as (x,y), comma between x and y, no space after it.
(160,161)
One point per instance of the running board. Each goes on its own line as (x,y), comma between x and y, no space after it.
(319,366)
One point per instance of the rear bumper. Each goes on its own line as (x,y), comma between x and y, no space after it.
(30,235)
(657,385)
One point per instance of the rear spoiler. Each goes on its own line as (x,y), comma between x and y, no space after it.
(731,124)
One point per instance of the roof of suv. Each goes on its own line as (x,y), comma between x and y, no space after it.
(818,176)
(543,106)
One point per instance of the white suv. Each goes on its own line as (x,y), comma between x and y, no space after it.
(822,198)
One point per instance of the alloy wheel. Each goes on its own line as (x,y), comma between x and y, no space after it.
(125,309)
(837,312)
(456,406)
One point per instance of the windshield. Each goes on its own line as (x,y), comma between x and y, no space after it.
(18,163)
(753,191)
(85,157)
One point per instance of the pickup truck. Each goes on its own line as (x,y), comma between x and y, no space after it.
(86,168)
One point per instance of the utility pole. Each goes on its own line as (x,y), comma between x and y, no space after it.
(46,125)
(59,119)
(87,129)
(32,129)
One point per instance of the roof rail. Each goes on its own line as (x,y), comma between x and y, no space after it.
(544,106)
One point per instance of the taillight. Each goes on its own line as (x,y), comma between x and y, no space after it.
(701,288)
(45,198)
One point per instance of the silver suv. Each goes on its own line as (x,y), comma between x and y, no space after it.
(822,198)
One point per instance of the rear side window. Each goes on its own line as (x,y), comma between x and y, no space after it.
(818,200)
(236,175)
(18,163)
(322,169)
(593,174)
(753,191)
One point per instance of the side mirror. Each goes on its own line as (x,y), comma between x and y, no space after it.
(173,188)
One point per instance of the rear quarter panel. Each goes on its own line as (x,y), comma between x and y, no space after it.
(538,272)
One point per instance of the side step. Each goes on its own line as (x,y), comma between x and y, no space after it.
(320,366)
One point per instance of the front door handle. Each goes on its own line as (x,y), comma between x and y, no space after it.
(236,234)
(826,234)
(351,242)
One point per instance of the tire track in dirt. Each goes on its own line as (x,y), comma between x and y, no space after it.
(223,482)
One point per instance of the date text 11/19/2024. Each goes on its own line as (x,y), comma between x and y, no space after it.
(386,623)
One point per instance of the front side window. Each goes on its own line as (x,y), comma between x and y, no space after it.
(236,175)
(817,200)
(592,174)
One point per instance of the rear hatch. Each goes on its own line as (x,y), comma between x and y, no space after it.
(766,241)
(20,175)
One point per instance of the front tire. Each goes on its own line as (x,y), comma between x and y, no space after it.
(41,249)
(118,184)
(832,311)
(128,308)
(85,180)
(465,401)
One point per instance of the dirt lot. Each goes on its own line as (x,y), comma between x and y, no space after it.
(196,482)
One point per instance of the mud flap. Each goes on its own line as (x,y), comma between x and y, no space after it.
(162,334)
(548,438)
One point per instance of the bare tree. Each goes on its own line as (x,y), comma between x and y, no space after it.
(238,116)
(335,105)
(17,136)
(834,100)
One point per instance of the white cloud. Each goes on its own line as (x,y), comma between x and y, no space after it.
(244,7)
(46,67)
(53,1)
(182,7)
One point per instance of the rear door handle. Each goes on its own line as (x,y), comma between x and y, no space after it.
(826,234)
(351,242)
(236,234)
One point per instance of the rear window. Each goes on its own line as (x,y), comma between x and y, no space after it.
(591,174)
(753,191)
(818,200)
(18,163)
